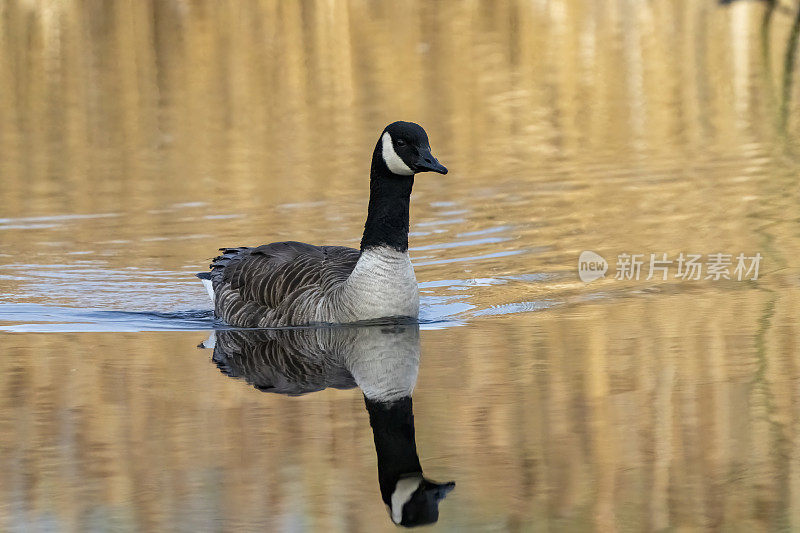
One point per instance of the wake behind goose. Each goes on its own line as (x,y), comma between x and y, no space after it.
(293,283)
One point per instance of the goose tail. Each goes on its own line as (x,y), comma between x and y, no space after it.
(205,277)
(218,266)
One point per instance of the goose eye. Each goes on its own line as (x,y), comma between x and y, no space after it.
(400,142)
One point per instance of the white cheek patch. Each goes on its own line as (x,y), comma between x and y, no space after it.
(393,161)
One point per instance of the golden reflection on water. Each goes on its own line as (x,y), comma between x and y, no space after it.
(631,127)
(611,417)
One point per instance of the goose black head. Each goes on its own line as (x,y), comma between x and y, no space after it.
(406,151)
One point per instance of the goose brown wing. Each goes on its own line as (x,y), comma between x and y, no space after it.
(249,282)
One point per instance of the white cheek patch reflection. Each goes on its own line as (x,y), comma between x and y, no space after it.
(392,160)
(402,493)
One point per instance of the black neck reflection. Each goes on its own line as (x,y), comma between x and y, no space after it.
(382,360)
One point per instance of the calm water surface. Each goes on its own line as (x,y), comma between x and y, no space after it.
(137,137)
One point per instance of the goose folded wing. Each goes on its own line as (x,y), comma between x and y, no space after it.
(268,275)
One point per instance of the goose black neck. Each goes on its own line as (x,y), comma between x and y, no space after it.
(387,215)
(393,430)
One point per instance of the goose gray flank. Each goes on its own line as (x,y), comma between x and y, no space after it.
(295,284)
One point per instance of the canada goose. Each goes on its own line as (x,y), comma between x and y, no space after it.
(382,361)
(293,283)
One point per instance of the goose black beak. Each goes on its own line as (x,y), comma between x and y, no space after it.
(427,163)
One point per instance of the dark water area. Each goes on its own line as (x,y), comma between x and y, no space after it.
(136,138)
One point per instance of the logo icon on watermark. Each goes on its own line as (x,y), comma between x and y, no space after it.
(591,266)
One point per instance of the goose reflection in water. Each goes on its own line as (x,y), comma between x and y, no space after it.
(382,360)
